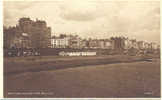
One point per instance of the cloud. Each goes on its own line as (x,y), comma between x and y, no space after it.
(13,10)
(78,16)
(19,5)
(99,19)
(78,11)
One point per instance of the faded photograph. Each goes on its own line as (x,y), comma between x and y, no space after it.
(80,99)
(81,49)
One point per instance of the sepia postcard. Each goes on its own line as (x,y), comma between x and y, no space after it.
(81,49)
(79,99)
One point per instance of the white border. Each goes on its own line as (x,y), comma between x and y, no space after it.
(1,58)
(1,49)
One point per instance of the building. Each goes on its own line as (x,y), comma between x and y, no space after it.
(134,43)
(118,43)
(141,45)
(38,33)
(101,44)
(146,45)
(107,44)
(24,41)
(93,43)
(128,44)
(75,41)
(84,43)
(13,38)
(21,42)
(154,46)
(60,42)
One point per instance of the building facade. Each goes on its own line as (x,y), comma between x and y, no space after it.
(118,43)
(38,33)
(58,42)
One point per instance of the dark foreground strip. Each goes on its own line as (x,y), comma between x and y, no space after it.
(74,64)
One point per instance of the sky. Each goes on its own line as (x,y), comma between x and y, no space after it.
(91,18)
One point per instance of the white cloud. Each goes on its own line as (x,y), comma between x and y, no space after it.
(98,19)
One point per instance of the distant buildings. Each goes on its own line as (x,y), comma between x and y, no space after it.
(22,41)
(68,41)
(100,44)
(74,41)
(59,42)
(154,46)
(94,43)
(118,43)
(141,45)
(108,44)
(128,44)
(38,34)
(84,43)
(134,43)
